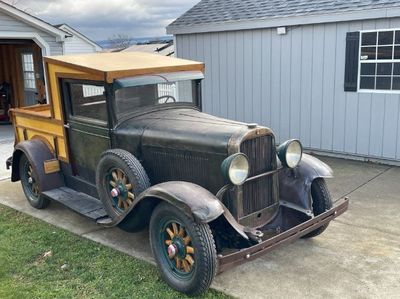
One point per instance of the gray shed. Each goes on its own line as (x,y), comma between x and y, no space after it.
(326,72)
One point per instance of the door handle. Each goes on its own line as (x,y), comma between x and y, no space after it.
(67,126)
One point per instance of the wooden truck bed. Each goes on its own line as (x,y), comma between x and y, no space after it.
(37,122)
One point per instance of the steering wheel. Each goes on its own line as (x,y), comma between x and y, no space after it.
(166,97)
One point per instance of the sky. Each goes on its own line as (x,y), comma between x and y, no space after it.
(100,19)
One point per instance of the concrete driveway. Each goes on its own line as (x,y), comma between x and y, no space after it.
(6,148)
(357,257)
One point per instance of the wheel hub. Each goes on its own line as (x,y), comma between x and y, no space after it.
(178,247)
(114,192)
(172,251)
(120,190)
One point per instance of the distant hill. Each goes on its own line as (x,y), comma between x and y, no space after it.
(140,40)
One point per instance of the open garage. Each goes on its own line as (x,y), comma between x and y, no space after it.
(24,41)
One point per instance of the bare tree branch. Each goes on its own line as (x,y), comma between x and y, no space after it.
(120,41)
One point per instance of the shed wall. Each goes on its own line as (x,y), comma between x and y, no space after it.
(293,83)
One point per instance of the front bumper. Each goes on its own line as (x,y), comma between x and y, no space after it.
(230,260)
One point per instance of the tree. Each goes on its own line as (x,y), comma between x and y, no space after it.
(120,41)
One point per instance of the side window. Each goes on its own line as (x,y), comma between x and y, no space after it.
(88,101)
(380,60)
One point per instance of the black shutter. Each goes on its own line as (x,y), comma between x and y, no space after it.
(351,67)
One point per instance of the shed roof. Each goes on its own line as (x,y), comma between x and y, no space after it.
(211,12)
(111,66)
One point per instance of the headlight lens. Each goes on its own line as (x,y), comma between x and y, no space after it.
(235,168)
(290,153)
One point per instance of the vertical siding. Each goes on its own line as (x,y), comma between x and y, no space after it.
(328,87)
(318,68)
(306,84)
(293,83)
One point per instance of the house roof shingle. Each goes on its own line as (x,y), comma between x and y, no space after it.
(228,11)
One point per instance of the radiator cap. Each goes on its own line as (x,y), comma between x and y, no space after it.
(252,126)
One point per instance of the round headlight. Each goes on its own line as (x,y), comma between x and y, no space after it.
(290,153)
(235,168)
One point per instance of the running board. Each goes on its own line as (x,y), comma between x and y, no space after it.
(81,203)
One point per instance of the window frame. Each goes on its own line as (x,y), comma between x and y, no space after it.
(24,71)
(196,78)
(67,98)
(376,61)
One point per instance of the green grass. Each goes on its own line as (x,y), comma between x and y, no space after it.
(94,271)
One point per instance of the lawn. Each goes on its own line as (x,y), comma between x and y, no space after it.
(38,260)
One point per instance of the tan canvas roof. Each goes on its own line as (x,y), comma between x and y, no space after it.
(124,64)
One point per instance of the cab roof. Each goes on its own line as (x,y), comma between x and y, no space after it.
(112,66)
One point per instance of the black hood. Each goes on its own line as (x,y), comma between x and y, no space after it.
(180,144)
(183,129)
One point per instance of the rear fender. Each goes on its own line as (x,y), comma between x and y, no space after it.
(295,184)
(38,153)
(193,200)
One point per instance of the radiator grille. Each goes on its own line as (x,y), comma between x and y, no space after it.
(163,165)
(179,166)
(259,194)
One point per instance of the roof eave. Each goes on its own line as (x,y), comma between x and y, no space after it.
(33,21)
(286,21)
(94,44)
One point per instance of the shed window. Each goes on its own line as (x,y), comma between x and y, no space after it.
(380,60)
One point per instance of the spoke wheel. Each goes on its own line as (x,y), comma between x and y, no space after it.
(183,249)
(120,189)
(120,179)
(178,248)
(31,184)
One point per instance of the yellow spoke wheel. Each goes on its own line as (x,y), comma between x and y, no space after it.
(184,249)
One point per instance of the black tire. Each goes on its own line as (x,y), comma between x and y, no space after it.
(321,202)
(135,175)
(202,245)
(31,184)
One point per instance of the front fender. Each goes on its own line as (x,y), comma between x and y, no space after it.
(295,184)
(193,200)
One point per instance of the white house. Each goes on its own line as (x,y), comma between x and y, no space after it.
(77,42)
(24,40)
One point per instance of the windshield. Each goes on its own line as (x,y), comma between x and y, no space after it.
(132,94)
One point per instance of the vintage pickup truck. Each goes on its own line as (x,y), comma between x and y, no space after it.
(123,141)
